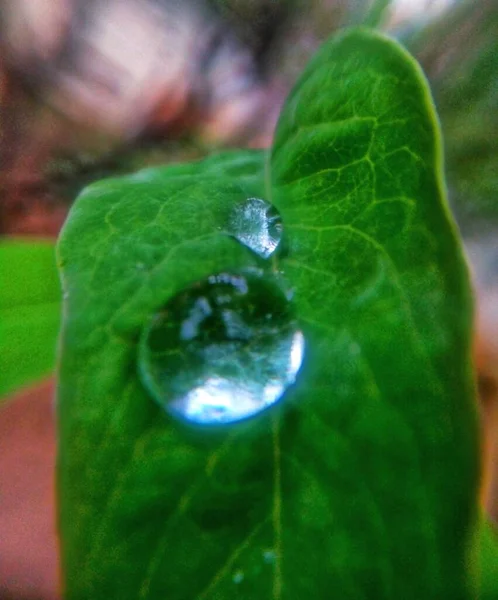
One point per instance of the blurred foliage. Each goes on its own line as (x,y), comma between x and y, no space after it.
(30,305)
(267,43)
(488,559)
(68,173)
(459,52)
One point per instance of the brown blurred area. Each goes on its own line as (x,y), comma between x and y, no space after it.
(28,545)
(482,253)
(89,89)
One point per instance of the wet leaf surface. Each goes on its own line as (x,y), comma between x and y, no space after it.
(362,481)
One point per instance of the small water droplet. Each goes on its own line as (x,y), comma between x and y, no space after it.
(223,350)
(269,556)
(238,576)
(258,225)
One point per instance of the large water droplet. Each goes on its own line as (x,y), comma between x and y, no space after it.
(223,350)
(258,225)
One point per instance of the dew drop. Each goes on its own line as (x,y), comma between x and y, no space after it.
(223,350)
(269,557)
(258,225)
(238,576)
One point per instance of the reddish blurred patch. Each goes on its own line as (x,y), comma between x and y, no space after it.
(28,549)
(486,359)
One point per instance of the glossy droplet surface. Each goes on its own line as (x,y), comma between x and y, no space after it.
(258,225)
(221,351)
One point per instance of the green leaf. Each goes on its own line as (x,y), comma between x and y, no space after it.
(381,284)
(30,302)
(362,482)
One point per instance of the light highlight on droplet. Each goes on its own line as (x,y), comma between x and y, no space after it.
(258,225)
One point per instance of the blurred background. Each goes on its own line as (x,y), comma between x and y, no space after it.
(93,88)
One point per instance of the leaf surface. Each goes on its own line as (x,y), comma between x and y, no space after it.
(362,482)
(382,290)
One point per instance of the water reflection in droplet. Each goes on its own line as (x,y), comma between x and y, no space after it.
(223,350)
(258,225)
